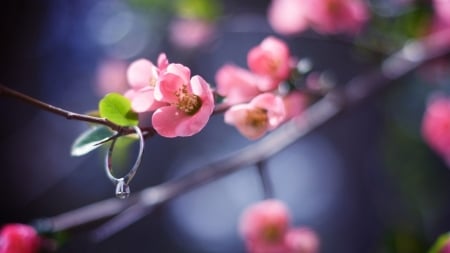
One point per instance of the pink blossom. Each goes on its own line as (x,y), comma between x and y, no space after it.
(288,16)
(337,16)
(19,238)
(191,33)
(188,102)
(270,58)
(237,84)
(301,240)
(142,76)
(111,76)
(436,126)
(446,247)
(442,10)
(295,103)
(264,112)
(263,226)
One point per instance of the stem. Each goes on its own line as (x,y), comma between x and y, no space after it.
(265,179)
(56,110)
(5,91)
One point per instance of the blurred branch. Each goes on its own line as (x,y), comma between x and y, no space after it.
(357,90)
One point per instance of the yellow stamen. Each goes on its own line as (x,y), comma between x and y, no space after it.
(257,118)
(188,102)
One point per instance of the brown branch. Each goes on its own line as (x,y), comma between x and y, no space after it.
(5,91)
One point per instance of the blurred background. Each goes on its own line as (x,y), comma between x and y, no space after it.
(366,181)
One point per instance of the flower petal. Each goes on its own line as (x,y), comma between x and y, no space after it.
(166,120)
(167,87)
(180,70)
(141,73)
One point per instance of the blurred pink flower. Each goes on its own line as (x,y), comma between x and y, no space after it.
(442,10)
(288,16)
(264,112)
(237,84)
(19,238)
(440,25)
(301,240)
(337,16)
(270,58)
(188,102)
(191,33)
(263,226)
(111,77)
(436,126)
(295,103)
(142,76)
(446,247)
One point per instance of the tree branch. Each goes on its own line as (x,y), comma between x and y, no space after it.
(5,91)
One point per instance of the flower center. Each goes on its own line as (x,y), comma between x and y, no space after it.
(188,102)
(272,234)
(257,118)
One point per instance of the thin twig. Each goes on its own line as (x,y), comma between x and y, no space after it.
(56,110)
(265,179)
(5,91)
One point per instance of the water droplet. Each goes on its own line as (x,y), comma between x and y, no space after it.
(122,190)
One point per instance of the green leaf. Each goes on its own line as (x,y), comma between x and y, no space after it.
(117,109)
(440,242)
(199,9)
(90,140)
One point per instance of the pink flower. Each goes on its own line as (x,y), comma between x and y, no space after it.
(142,76)
(436,126)
(188,102)
(263,226)
(295,103)
(19,238)
(301,240)
(446,247)
(442,10)
(264,112)
(238,85)
(270,58)
(191,33)
(111,76)
(288,16)
(337,16)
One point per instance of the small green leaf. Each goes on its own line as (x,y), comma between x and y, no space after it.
(117,109)
(440,243)
(90,140)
